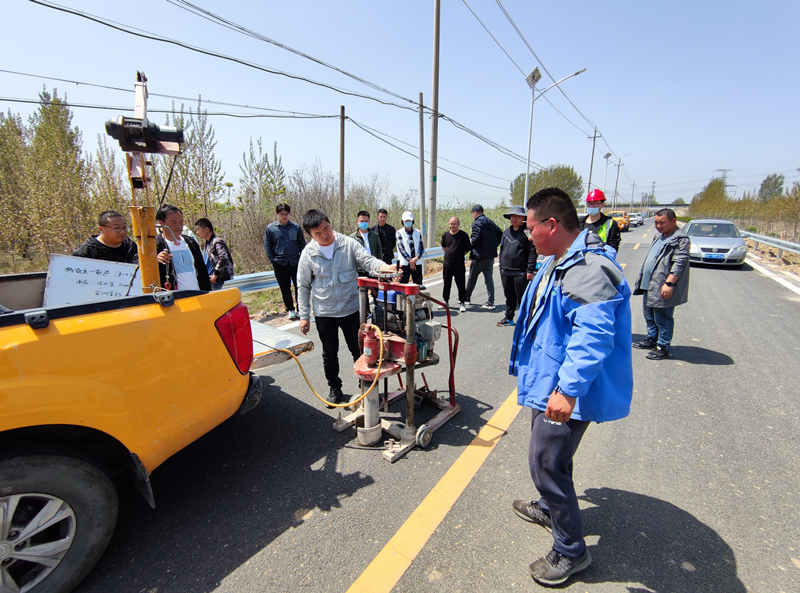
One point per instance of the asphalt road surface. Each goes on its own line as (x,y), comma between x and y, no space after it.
(697,490)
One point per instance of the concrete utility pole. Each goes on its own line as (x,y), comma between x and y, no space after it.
(591,165)
(341,176)
(431,241)
(633,190)
(619,165)
(422,222)
(653,194)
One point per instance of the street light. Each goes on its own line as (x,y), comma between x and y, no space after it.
(608,154)
(532,79)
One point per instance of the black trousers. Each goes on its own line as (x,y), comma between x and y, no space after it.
(415,275)
(448,275)
(328,328)
(513,287)
(285,275)
(552,446)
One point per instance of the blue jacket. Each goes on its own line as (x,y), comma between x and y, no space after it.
(485,238)
(283,244)
(580,337)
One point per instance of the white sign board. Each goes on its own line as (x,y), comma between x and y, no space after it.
(76,280)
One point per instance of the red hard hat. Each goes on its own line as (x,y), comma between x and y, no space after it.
(596,195)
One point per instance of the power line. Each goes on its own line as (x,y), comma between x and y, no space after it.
(210,113)
(528,45)
(154,37)
(416,156)
(228,24)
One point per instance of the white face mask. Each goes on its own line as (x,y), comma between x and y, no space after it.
(408,223)
(593,211)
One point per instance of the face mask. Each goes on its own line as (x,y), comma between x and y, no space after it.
(408,223)
(363,225)
(593,211)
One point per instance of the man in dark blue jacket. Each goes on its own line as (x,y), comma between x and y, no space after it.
(517,262)
(571,355)
(484,240)
(283,242)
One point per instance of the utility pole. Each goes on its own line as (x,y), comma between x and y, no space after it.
(653,194)
(633,191)
(619,165)
(591,164)
(422,222)
(341,175)
(437,6)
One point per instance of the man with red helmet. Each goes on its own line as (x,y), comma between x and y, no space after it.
(598,223)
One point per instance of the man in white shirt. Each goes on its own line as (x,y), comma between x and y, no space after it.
(180,260)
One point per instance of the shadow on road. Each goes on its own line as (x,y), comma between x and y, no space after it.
(651,542)
(225,497)
(694,354)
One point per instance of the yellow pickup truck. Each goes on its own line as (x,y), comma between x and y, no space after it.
(88,392)
(622,219)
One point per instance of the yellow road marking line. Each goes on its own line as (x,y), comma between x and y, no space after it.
(393,560)
(622,266)
(644,236)
(636,246)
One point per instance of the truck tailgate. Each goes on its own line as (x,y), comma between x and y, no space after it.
(266,340)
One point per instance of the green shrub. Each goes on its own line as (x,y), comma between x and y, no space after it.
(684,218)
(751,229)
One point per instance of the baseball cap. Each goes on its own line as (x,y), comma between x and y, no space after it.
(407,215)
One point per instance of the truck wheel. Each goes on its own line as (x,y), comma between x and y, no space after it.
(57,515)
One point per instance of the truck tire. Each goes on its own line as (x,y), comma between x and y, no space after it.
(57,515)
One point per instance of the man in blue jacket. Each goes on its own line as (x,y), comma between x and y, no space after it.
(485,239)
(571,355)
(283,242)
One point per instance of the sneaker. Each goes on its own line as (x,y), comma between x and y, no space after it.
(334,396)
(443,307)
(646,344)
(467,304)
(554,569)
(658,353)
(292,315)
(532,513)
(505,321)
(462,307)
(488,305)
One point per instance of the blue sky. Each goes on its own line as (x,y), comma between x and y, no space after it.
(682,88)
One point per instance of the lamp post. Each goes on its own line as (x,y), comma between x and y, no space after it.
(532,78)
(608,154)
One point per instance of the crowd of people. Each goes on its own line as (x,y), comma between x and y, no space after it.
(571,349)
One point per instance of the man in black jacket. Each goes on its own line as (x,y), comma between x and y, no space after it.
(455,243)
(387,234)
(485,239)
(517,262)
(112,242)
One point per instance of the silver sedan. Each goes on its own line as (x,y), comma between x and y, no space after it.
(715,242)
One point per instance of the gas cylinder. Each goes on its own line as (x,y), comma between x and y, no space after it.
(371,346)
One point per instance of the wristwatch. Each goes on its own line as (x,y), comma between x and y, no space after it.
(670,284)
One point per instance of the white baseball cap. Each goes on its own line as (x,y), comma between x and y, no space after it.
(407,215)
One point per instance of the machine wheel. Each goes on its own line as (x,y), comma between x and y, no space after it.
(424,435)
(57,515)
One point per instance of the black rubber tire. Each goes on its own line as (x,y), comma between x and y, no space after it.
(84,487)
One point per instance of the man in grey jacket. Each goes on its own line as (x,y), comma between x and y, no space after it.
(327,272)
(664,282)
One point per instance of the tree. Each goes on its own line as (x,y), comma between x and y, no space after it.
(712,201)
(561,176)
(205,167)
(107,184)
(679,202)
(771,187)
(14,232)
(60,212)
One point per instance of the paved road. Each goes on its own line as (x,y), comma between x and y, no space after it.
(697,490)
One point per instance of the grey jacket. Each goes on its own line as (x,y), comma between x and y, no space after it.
(673,259)
(331,283)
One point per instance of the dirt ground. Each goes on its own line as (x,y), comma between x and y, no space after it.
(790,262)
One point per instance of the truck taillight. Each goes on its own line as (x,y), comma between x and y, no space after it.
(234,329)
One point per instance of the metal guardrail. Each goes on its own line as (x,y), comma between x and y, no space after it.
(773,242)
(265,280)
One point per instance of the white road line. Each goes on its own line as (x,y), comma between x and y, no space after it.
(794,288)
